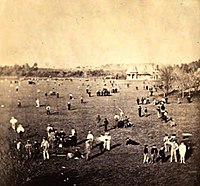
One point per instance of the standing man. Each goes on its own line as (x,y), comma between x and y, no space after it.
(162,154)
(158,111)
(37,101)
(146,155)
(138,101)
(48,109)
(174,148)
(107,141)
(45,147)
(13,122)
(145,112)
(70,96)
(28,148)
(182,152)
(166,141)
(189,98)
(98,118)
(90,137)
(19,103)
(154,153)
(81,99)
(106,124)
(20,130)
(140,111)
(87,149)
(121,114)
(68,105)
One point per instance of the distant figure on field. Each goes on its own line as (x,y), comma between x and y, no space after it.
(20,130)
(48,109)
(37,101)
(68,105)
(19,103)
(140,111)
(81,99)
(146,155)
(106,124)
(28,149)
(107,141)
(189,98)
(90,137)
(98,118)
(88,146)
(13,122)
(145,112)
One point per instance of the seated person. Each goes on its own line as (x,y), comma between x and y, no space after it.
(77,154)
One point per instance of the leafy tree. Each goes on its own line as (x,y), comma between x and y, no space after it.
(166,75)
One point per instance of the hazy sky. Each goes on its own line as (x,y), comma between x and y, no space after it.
(64,33)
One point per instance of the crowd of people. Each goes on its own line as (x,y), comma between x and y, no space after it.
(58,139)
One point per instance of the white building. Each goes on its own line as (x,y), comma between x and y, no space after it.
(143,72)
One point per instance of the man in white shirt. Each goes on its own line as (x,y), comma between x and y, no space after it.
(20,130)
(174,148)
(90,138)
(107,141)
(45,147)
(13,122)
(37,101)
(182,152)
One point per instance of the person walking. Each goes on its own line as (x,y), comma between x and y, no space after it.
(45,147)
(174,148)
(182,152)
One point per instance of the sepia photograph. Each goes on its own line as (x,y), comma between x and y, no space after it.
(100,93)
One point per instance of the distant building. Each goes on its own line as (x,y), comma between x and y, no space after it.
(143,72)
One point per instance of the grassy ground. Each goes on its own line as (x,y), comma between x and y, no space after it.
(123,164)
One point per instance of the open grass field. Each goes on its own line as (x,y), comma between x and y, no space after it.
(122,165)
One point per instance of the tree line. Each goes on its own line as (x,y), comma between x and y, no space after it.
(34,71)
(184,77)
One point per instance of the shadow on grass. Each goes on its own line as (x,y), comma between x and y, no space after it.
(54,113)
(42,105)
(115,145)
(80,142)
(96,155)
(114,127)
